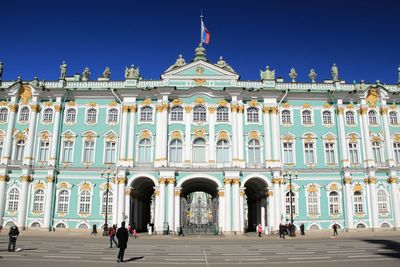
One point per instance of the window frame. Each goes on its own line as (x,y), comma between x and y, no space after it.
(146,114)
(88,116)
(47,118)
(222,112)
(353,118)
(289,116)
(5,119)
(38,205)
(309,117)
(253,117)
(22,119)
(115,116)
(174,112)
(66,116)
(199,116)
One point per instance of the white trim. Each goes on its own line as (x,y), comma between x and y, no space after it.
(312,117)
(58,199)
(142,175)
(257,175)
(306,194)
(8,115)
(153,112)
(86,116)
(291,117)
(52,115)
(94,147)
(314,142)
(65,115)
(199,175)
(152,143)
(118,116)
(332,117)
(293,149)
(354,116)
(246,107)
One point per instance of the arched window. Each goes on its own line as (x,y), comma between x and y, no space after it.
(372,117)
(110,202)
(377,152)
(63,201)
(44,147)
(146,113)
(382,202)
(252,114)
(70,115)
(144,151)
(353,152)
(393,119)
(222,114)
(13,199)
(360,226)
(47,115)
(84,201)
(289,207)
(3,114)
(19,150)
(396,150)
(350,119)
(327,117)
(313,203)
(222,151)
(254,150)
(24,114)
(286,116)
(358,202)
(91,116)
(175,151)
(334,203)
(61,225)
(112,115)
(83,226)
(35,224)
(38,201)
(306,117)
(176,113)
(199,113)
(199,150)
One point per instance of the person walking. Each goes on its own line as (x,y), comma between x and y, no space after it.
(94,230)
(122,236)
(12,238)
(259,230)
(335,233)
(302,229)
(111,235)
(181,231)
(134,233)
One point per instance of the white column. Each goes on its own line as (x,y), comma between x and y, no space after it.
(342,138)
(263,204)
(277,201)
(121,200)
(241,209)
(388,140)
(131,134)
(3,184)
(162,203)
(159,135)
(395,201)
(267,137)
(31,135)
(366,140)
(235,159)
(275,136)
(221,209)
(240,136)
(55,136)
(188,154)
(236,204)
(171,203)
(23,201)
(162,134)
(127,204)
(211,129)
(157,217)
(374,202)
(227,193)
(177,218)
(47,220)
(115,201)
(271,211)
(9,138)
(349,201)
(124,129)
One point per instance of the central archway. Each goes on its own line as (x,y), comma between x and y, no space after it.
(255,203)
(199,205)
(142,203)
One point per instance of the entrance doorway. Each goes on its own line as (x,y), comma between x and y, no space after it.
(199,207)
(255,204)
(142,204)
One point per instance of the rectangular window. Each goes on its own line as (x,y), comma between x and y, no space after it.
(309,153)
(396,149)
(1,147)
(288,153)
(88,152)
(353,151)
(330,153)
(110,152)
(313,203)
(44,151)
(67,151)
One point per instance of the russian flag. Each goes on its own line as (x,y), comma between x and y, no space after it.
(205,34)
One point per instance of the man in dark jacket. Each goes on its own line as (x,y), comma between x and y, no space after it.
(122,236)
(12,238)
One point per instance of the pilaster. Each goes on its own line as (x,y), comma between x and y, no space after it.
(47,220)
(275,136)
(392,180)
(277,181)
(131,135)
(211,127)
(26,179)
(3,185)
(267,137)
(342,137)
(349,201)
(388,140)
(240,124)
(369,160)
(124,129)
(121,181)
(187,150)
(371,183)
(9,134)
(28,158)
(55,135)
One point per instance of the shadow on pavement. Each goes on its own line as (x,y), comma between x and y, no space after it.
(134,259)
(387,244)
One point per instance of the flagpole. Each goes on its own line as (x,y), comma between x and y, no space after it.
(201,27)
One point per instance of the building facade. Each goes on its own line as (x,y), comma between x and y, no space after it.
(199,129)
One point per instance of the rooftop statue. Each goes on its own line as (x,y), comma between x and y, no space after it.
(222,64)
(312,75)
(293,74)
(131,72)
(63,70)
(35,81)
(267,74)
(335,73)
(180,61)
(107,73)
(86,74)
(1,69)
(200,53)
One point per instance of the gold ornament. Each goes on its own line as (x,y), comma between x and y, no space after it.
(372,96)
(254,135)
(177,102)
(176,135)
(253,103)
(222,103)
(199,100)
(188,109)
(145,134)
(147,101)
(25,93)
(212,109)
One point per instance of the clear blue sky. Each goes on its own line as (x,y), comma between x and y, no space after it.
(361,37)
